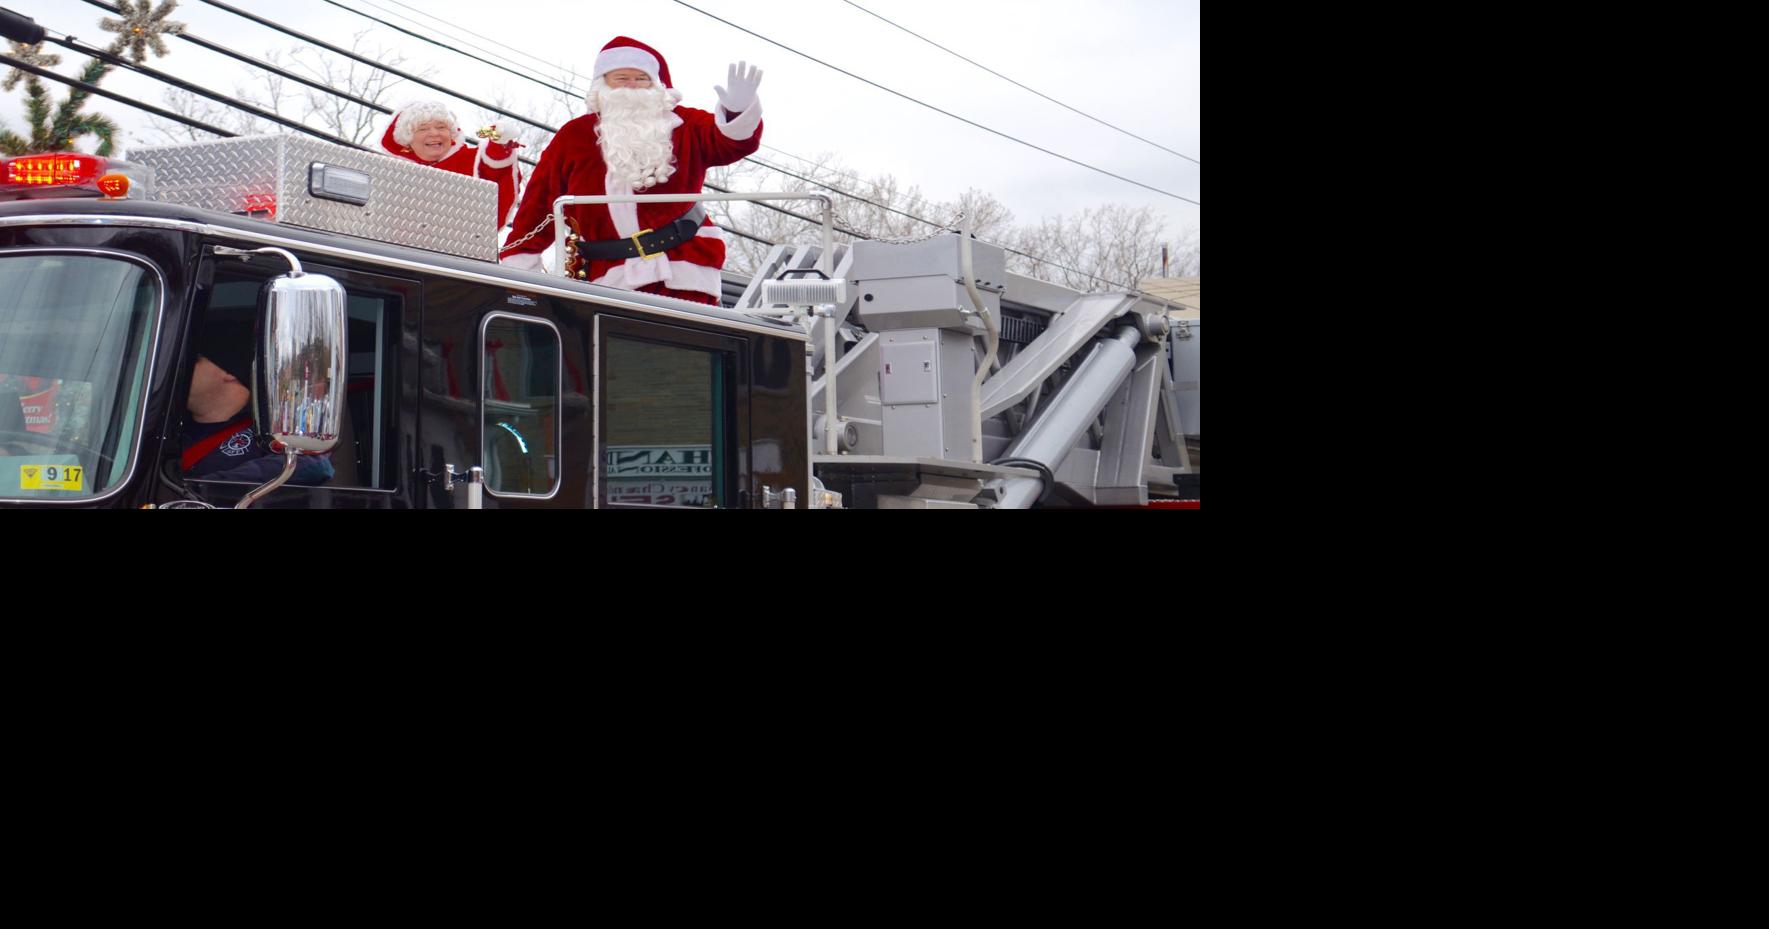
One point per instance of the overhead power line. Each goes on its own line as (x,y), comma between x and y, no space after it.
(1022,86)
(898,93)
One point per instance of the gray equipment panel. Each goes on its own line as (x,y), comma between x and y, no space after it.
(921,284)
(906,374)
(925,417)
(407,203)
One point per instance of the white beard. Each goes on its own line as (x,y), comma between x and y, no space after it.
(634,133)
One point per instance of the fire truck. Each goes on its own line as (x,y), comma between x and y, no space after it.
(386,337)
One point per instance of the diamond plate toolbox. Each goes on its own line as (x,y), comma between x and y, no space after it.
(268,176)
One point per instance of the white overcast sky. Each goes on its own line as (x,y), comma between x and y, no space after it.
(1133,63)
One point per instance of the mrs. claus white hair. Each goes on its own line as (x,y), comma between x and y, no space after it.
(416,114)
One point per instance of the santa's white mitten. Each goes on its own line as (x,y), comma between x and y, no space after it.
(743,79)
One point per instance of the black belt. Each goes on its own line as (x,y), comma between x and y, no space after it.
(647,243)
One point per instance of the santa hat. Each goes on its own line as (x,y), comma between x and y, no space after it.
(623,52)
(398,137)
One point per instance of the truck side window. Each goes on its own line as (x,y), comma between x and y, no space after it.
(361,458)
(519,424)
(664,432)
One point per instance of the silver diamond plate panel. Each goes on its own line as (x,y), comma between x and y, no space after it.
(409,204)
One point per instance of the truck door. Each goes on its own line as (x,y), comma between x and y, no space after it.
(672,413)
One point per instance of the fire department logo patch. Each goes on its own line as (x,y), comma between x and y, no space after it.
(237,444)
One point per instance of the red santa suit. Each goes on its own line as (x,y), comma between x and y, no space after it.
(574,164)
(491,161)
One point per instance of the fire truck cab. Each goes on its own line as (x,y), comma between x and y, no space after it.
(559,393)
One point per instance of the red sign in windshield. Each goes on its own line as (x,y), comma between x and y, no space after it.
(39,407)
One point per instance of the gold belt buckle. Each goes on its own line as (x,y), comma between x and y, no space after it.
(641,247)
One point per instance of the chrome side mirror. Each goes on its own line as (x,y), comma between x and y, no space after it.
(298,367)
(302,357)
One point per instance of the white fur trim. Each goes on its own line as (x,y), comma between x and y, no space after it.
(494,162)
(625,215)
(743,126)
(523,261)
(710,231)
(635,273)
(516,201)
(626,56)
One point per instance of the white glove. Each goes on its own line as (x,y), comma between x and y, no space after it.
(744,80)
(523,261)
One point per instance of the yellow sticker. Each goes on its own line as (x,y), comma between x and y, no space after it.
(51,477)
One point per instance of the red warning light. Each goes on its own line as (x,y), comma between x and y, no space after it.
(114,185)
(261,206)
(54,170)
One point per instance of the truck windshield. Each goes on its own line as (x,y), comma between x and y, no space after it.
(75,334)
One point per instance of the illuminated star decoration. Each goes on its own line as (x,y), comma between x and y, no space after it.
(140,29)
(31,55)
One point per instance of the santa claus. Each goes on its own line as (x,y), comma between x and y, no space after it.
(635,139)
(426,132)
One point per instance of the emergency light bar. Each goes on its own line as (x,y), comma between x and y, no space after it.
(72,174)
(57,170)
